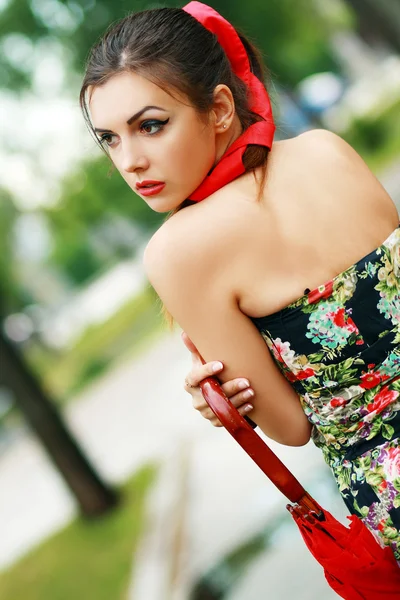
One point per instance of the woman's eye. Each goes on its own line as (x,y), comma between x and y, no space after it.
(107,139)
(152,127)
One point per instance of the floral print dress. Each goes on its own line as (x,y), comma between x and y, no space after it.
(339,347)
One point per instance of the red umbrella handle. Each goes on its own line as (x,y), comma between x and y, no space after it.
(255,447)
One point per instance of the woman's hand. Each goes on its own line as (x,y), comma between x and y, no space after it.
(238,391)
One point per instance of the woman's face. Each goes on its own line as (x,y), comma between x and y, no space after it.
(153,139)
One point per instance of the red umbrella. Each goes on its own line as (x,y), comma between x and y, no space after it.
(355,565)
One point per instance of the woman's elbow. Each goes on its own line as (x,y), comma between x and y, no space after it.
(291,436)
(298,437)
(298,441)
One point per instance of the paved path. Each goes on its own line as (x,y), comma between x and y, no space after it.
(127,418)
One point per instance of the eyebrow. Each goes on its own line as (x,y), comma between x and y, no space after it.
(133,118)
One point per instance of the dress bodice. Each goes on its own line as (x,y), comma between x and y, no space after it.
(339,347)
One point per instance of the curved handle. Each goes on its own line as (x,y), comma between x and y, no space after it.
(255,447)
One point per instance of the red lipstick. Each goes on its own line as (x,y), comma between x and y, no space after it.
(150,187)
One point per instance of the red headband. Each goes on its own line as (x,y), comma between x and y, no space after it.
(260,133)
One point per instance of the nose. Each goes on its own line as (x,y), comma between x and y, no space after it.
(133,158)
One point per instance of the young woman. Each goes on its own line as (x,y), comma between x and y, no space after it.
(176,98)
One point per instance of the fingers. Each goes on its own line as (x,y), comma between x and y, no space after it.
(236,386)
(208,414)
(237,390)
(188,343)
(197,360)
(241,401)
(200,372)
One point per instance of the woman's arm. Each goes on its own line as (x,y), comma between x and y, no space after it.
(237,390)
(183,268)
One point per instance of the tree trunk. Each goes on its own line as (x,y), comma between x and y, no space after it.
(379,19)
(93,495)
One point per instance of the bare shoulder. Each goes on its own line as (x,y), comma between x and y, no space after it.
(334,167)
(325,146)
(317,153)
(324,161)
(168,247)
(329,152)
(184,248)
(313,136)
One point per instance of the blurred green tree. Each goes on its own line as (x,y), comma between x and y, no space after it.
(92,494)
(278,29)
(10,292)
(92,196)
(292,37)
(76,25)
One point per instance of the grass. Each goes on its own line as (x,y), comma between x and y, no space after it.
(128,331)
(86,560)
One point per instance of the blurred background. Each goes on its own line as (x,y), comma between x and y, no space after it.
(111,486)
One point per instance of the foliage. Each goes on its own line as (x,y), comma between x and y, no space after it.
(86,206)
(91,197)
(12,295)
(88,559)
(76,25)
(7,217)
(377,140)
(292,37)
(278,28)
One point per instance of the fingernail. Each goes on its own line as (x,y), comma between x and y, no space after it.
(217,366)
(248,407)
(243,383)
(248,394)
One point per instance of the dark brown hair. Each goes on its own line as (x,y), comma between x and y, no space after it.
(171,48)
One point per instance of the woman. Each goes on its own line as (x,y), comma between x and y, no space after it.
(176,98)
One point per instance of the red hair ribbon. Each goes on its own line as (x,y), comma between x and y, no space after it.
(260,133)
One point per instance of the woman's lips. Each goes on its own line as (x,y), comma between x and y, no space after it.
(150,188)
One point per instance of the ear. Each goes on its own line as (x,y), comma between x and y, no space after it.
(223,108)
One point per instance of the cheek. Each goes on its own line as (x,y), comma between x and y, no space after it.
(194,154)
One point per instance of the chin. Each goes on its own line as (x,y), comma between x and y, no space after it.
(163,205)
(168,202)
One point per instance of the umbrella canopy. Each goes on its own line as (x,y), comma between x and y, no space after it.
(355,565)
